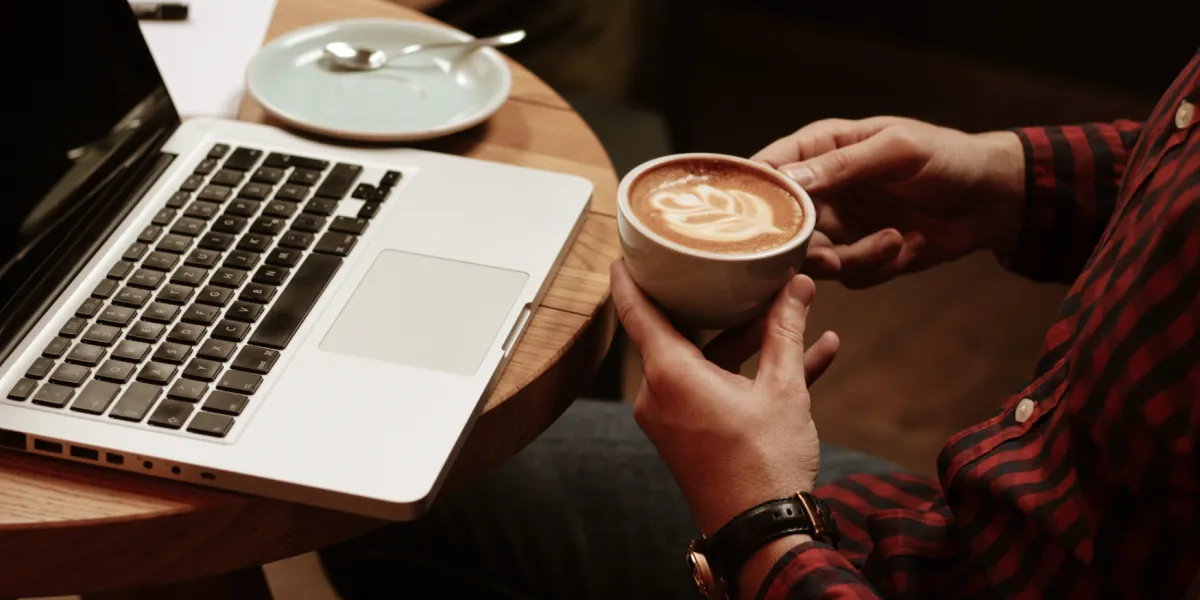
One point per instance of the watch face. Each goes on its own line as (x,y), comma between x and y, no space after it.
(703,576)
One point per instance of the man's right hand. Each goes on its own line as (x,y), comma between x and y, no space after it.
(896,195)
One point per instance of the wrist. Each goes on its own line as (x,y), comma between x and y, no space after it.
(759,565)
(1003,191)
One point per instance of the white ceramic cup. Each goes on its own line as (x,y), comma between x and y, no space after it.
(709,290)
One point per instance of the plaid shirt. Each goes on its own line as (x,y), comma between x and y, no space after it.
(1086,484)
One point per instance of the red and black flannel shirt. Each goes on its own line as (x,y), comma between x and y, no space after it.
(1086,484)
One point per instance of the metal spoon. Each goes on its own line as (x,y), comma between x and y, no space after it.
(357,58)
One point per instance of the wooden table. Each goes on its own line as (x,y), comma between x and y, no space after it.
(68,529)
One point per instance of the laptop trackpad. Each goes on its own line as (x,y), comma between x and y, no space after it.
(426,312)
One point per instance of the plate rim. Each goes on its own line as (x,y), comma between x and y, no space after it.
(489,109)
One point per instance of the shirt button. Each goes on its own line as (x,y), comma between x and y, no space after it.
(1024,410)
(1183,116)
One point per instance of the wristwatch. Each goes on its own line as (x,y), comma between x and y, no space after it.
(716,560)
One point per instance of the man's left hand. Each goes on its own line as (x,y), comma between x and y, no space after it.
(731,442)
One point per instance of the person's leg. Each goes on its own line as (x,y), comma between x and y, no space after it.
(586,511)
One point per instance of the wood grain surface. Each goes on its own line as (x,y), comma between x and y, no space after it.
(71,529)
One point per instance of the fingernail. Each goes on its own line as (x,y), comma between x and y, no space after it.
(801,175)
(796,289)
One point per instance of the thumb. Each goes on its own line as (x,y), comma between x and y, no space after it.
(883,155)
(781,362)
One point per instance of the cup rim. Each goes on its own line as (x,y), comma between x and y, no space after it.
(806,228)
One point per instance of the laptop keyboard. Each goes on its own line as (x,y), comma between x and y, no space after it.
(182,330)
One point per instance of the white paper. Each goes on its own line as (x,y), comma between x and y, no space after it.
(203,59)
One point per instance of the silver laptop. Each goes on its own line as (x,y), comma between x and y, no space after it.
(230,305)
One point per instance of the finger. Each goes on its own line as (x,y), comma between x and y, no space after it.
(820,137)
(819,356)
(733,347)
(876,258)
(646,326)
(875,157)
(782,360)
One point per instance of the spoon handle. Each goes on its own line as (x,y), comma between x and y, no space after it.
(496,41)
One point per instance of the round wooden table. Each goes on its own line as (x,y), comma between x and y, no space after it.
(71,529)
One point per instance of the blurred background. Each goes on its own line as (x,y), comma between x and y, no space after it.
(924,356)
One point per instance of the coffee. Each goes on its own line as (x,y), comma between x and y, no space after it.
(716,206)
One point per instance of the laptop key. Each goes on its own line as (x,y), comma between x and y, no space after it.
(145,331)
(199,314)
(364,191)
(289,311)
(136,401)
(89,308)
(147,279)
(215,295)
(188,390)
(120,270)
(254,242)
(161,261)
(280,208)
(203,258)
(132,297)
(189,227)
(96,397)
(135,251)
(178,199)
(390,179)
(206,166)
(240,259)
(215,240)
(73,327)
(161,312)
(102,335)
(271,275)
(245,312)
(268,225)
(230,330)
(216,193)
(211,424)
(171,414)
(213,349)
(228,223)
(243,159)
(305,177)
(40,368)
(202,370)
(297,240)
(255,191)
(292,192)
(86,355)
(173,242)
(190,276)
(172,353)
(150,234)
(117,315)
(131,351)
(226,403)
(72,375)
(53,395)
(240,382)
(348,225)
(22,390)
(56,347)
(164,217)
(258,292)
(243,207)
(175,294)
(115,371)
(309,223)
(104,289)
(283,257)
(339,181)
(202,210)
(187,333)
(218,151)
(228,177)
(271,175)
(322,207)
(156,373)
(192,183)
(255,360)
(337,244)
(369,210)
(228,277)
(276,159)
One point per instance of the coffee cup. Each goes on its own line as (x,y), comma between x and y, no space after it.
(712,238)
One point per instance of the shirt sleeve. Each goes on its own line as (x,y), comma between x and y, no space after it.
(814,571)
(1072,175)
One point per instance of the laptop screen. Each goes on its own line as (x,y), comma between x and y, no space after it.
(89,109)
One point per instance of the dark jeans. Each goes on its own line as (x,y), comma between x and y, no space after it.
(586,511)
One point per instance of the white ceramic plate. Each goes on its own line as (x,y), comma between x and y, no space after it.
(421,96)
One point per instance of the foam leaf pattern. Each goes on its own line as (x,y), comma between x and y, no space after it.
(713,214)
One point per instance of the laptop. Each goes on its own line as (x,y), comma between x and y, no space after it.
(231,305)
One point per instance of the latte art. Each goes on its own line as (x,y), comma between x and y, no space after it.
(716,206)
(708,213)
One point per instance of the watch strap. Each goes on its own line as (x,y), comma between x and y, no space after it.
(730,547)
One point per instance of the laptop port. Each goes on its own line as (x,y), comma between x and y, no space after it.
(114,459)
(12,439)
(47,446)
(207,475)
(84,453)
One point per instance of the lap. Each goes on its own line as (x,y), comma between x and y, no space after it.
(586,511)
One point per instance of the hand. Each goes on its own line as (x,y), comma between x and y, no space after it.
(731,442)
(896,195)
